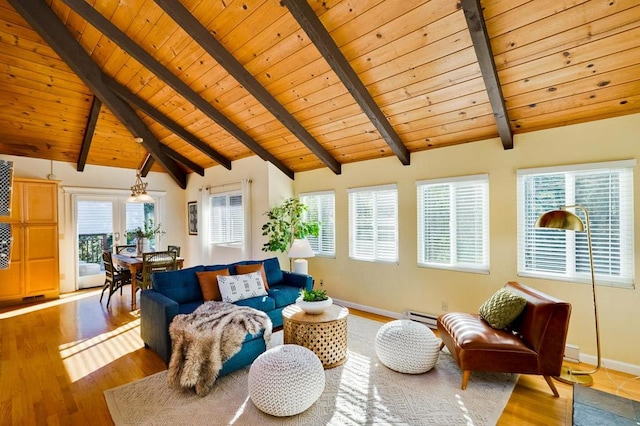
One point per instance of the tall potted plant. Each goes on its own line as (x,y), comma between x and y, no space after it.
(286,224)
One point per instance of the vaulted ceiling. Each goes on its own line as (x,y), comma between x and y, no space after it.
(303,84)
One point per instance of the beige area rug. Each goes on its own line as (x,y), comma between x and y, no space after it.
(361,391)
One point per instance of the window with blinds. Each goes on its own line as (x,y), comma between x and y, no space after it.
(321,208)
(373,223)
(226,215)
(606,191)
(453,223)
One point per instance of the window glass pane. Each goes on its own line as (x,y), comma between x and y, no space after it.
(321,209)
(226,219)
(607,194)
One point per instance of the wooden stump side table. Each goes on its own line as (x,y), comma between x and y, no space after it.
(325,334)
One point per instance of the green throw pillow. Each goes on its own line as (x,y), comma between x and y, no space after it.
(502,308)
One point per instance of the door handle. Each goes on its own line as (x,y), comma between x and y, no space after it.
(116,236)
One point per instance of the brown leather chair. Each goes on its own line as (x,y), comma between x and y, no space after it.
(534,343)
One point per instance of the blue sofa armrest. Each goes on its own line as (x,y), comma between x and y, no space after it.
(297,280)
(156,313)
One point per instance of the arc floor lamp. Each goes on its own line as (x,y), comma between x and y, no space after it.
(564,219)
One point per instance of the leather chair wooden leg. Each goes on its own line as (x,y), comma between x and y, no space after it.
(552,386)
(465,378)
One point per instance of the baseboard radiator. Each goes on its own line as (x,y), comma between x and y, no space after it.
(428,319)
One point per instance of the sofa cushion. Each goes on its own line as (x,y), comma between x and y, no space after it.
(262,303)
(209,284)
(239,287)
(284,295)
(256,267)
(502,308)
(271,269)
(181,286)
(231,268)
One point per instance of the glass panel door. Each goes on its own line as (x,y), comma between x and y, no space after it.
(136,214)
(95,221)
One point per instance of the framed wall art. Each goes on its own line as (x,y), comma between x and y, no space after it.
(192,214)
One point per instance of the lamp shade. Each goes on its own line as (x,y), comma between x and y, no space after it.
(300,248)
(560,219)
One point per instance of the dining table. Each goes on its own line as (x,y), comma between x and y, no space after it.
(134,264)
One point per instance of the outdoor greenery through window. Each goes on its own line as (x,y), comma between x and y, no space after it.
(606,191)
(373,223)
(321,209)
(453,223)
(226,214)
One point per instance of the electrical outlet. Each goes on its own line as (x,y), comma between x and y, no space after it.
(321,282)
(445,306)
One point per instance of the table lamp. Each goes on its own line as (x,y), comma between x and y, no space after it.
(300,249)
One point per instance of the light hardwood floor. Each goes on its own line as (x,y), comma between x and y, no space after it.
(57,358)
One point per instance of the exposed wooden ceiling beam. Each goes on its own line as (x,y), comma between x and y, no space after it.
(88,133)
(82,8)
(42,19)
(168,123)
(203,37)
(321,38)
(145,167)
(482,46)
(182,160)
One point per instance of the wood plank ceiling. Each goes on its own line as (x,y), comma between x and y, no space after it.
(303,84)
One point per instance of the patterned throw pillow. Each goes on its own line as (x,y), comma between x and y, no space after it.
(239,287)
(502,308)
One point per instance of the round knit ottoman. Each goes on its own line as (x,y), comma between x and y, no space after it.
(286,380)
(407,346)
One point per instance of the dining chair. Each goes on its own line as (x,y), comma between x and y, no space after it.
(174,248)
(158,261)
(126,249)
(114,279)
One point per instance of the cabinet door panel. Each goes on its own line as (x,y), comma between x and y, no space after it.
(40,202)
(41,259)
(11,279)
(16,204)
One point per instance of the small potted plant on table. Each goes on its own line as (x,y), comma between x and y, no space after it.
(314,302)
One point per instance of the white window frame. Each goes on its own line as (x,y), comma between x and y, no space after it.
(458,236)
(571,246)
(230,235)
(377,251)
(324,213)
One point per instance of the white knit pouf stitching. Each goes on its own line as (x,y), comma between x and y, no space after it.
(407,346)
(286,380)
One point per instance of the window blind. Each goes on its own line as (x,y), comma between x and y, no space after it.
(321,208)
(226,218)
(373,223)
(453,223)
(607,193)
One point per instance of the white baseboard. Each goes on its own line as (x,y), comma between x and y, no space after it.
(611,364)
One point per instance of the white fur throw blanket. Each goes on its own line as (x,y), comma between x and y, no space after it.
(206,338)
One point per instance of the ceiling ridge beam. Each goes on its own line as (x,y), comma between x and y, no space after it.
(323,41)
(47,24)
(93,17)
(167,122)
(182,160)
(482,45)
(203,37)
(94,112)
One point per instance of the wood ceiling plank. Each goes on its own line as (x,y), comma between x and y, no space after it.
(575,71)
(55,69)
(587,84)
(580,17)
(619,92)
(444,118)
(457,104)
(471,135)
(613,108)
(492,8)
(460,126)
(323,41)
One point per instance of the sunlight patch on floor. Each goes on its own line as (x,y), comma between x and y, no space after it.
(44,305)
(86,356)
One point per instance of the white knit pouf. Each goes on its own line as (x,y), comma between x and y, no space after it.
(286,380)
(407,346)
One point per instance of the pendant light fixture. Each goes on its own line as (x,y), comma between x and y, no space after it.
(139,188)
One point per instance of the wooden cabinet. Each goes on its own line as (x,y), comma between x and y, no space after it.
(34,268)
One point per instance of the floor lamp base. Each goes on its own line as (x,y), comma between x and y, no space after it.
(571,377)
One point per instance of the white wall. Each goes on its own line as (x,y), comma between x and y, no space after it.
(396,287)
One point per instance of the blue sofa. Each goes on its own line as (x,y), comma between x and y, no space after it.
(178,292)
